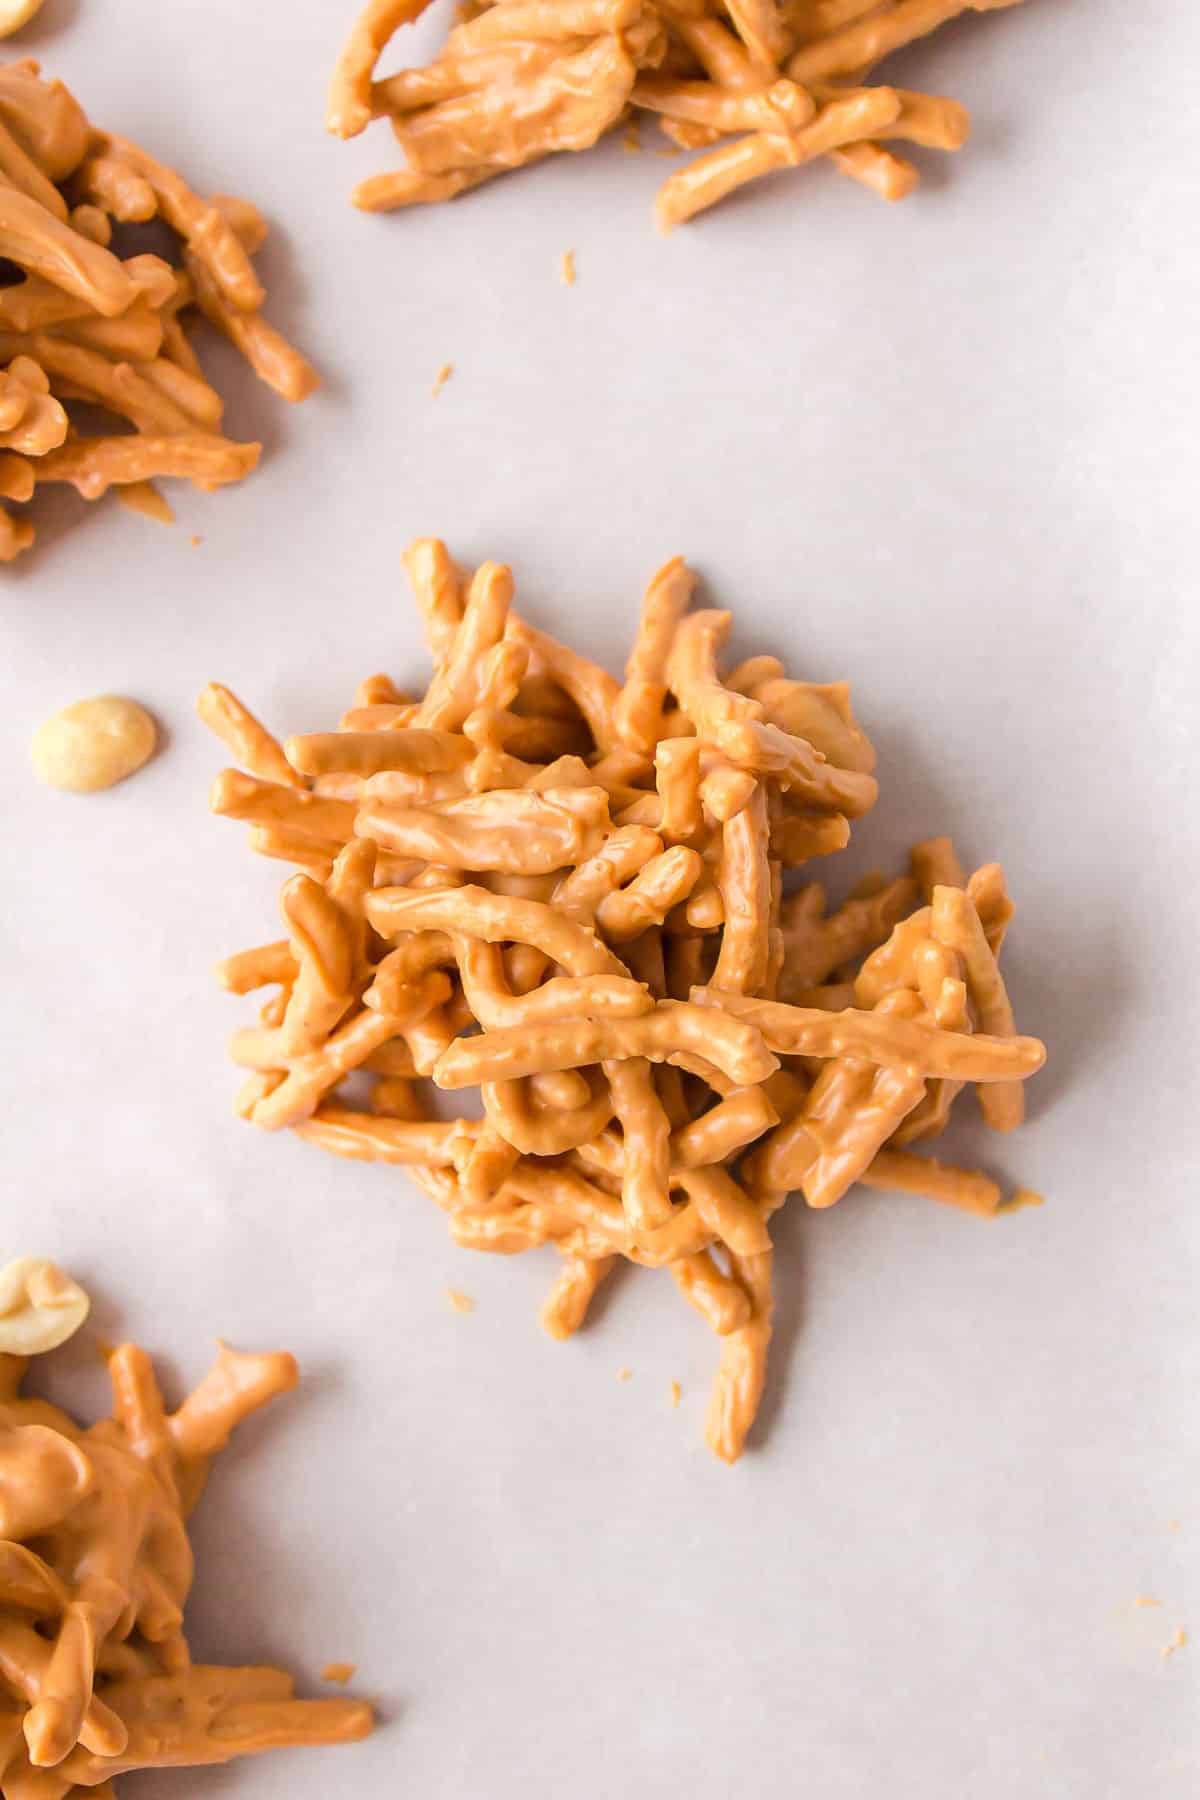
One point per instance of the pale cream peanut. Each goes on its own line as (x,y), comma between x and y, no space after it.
(40,1307)
(93,744)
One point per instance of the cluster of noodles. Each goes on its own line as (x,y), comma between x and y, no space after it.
(568,893)
(95,1567)
(756,85)
(81,324)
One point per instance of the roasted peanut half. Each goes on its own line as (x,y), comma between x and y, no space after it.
(93,744)
(40,1307)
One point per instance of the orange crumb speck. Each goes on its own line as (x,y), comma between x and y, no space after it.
(1017,1201)
(567,267)
(1147,1600)
(339,1672)
(461,1303)
(676,1393)
(624,1374)
(1172,1524)
(1176,1643)
(442,377)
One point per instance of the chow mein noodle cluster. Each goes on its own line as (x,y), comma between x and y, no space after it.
(567,894)
(754,85)
(84,326)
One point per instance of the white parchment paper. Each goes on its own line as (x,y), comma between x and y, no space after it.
(946,449)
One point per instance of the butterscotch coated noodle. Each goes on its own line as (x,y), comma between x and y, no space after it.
(95,1569)
(753,85)
(568,894)
(82,322)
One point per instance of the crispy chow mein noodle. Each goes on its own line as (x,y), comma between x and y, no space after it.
(752,85)
(83,324)
(668,1035)
(95,1570)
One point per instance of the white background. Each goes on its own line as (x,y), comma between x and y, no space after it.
(945,449)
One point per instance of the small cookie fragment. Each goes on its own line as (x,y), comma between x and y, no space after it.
(40,1307)
(93,744)
(460,1303)
(144,498)
(341,1672)
(442,377)
(755,87)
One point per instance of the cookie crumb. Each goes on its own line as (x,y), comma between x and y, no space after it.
(461,1303)
(339,1672)
(144,498)
(567,268)
(1147,1600)
(676,1393)
(1177,1642)
(442,377)
(624,1374)
(195,542)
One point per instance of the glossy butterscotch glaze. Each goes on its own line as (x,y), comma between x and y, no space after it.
(756,85)
(591,929)
(85,324)
(95,1571)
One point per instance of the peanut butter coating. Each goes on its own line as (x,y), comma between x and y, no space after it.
(86,325)
(754,85)
(95,1571)
(569,893)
